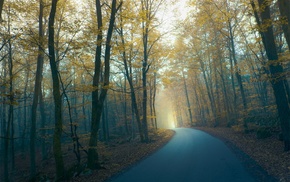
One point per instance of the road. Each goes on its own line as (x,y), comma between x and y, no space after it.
(191,155)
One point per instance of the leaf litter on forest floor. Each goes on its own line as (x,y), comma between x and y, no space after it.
(268,152)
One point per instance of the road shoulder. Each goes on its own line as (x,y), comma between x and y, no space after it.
(120,154)
(264,159)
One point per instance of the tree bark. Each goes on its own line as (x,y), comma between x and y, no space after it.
(60,170)
(154,99)
(37,90)
(144,100)
(24,129)
(237,73)
(129,77)
(209,92)
(1,8)
(43,123)
(125,107)
(9,130)
(284,6)
(187,99)
(98,100)
(276,70)
(4,125)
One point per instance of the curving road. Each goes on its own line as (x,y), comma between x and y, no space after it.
(191,155)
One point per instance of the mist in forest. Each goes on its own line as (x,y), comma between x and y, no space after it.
(165,114)
(74,74)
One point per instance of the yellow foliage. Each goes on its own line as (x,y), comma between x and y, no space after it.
(166,81)
(238,128)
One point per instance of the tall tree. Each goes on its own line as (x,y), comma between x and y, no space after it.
(127,57)
(99,94)
(276,70)
(37,90)
(9,130)
(148,13)
(145,29)
(60,170)
(187,98)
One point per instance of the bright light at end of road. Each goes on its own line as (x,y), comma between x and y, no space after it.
(173,125)
(171,120)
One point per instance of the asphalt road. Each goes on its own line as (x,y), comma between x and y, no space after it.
(190,156)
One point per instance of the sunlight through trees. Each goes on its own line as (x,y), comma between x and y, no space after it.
(76,74)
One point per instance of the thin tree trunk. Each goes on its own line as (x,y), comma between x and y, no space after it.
(12,101)
(98,100)
(1,9)
(125,108)
(43,123)
(145,27)
(238,75)
(60,170)
(224,88)
(144,102)
(3,113)
(4,131)
(128,74)
(37,90)
(154,99)
(187,99)
(150,102)
(104,122)
(23,141)
(210,96)
(10,111)
(217,95)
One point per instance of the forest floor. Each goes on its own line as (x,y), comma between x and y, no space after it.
(267,153)
(115,156)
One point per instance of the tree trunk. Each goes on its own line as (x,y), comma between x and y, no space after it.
(11,101)
(4,127)
(104,123)
(10,95)
(37,90)
(221,73)
(276,70)
(144,83)
(209,92)
(238,75)
(60,170)
(154,99)
(129,77)
(144,100)
(96,113)
(284,6)
(98,100)
(1,8)
(84,112)
(43,123)
(151,102)
(125,107)
(24,129)
(187,99)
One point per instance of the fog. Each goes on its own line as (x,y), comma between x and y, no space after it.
(165,114)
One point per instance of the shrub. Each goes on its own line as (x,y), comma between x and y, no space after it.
(263,133)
